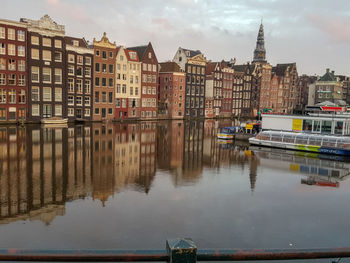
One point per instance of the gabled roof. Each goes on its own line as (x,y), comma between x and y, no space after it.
(280,69)
(210,68)
(140,50)
(169,67)
(328,76)
(191,53)
(129,58)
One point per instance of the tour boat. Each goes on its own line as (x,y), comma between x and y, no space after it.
(318,143)
(54,120)
(227,133)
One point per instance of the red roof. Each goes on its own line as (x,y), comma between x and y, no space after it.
(129,57)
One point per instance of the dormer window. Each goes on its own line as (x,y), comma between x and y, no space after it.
(149,55)
(132,55)
(188,53)
(75,43)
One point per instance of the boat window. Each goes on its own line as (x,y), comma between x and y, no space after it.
(288,138)
(329,142)
(314,141)
(276,138)
(326,127)
(317,126)
(338,129)
(301,139)
(307,125)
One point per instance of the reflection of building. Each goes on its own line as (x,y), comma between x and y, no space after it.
(103,161)
(148,154)
(44,168)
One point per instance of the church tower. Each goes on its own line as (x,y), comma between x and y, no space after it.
(260,51)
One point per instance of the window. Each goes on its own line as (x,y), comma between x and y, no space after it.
(153,90)
(47,94)
(104,68)
(104,54)
(21,51)
(12,96)
(58,110)
(47,75)
(110,111)
(70,112)
(79,101)
(131,91)
(21,65)
(58,94)
(47,55)
(104,82)
(2,96)
(20,35)
(46,42)
(121,58)
(71,58)
(35,53)
(12,64)
(124,89)
(35,110)
(117,103)
(34,40)
(79,85)
(88,60)
(11,34)
(2,79)
(35,94)
(86,112)
(97,81)
(2,32)
(110,54)
(11,49)
(154,80)
(58,75)
(149,55)
(154,68)
(79,71)
(75,43)
(111,68)
(87,101)
(12,79)
(97,111)
(87,71)
(97,96)
(58,56)
(110,82)
(98,53)
(110,97)
(22,97)
(58,43)
(149,67)
(21,80)
(70,85)
(80,59)
(131,79)
(70,70)
(97,67)
(136,91)
(2,49)
(87,86)
(70,100)
(104,97)
(118,88)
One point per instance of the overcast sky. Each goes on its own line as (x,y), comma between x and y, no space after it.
(313,33)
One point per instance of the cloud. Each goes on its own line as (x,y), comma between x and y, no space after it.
(337,28)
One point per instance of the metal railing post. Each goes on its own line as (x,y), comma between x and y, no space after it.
(181,250)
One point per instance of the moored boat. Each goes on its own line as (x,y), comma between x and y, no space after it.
(227,133)
(318,143)
(54,120)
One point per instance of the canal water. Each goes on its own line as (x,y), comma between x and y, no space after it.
(132,186)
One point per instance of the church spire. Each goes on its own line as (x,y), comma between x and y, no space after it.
(260,51)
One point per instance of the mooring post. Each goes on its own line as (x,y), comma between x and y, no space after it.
(181,250)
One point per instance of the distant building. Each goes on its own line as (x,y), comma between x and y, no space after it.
(194,64)
(47,93)
(13,74)
(128,84)
(328,88)
(260,51)
(171,91)
(149,82)
(104,74)
(79,78)
(303,84)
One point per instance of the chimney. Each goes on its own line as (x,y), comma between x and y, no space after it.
(333,72)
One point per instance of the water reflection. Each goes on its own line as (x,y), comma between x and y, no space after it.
(41,168)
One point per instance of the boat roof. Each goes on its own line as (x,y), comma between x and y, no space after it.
(303,134)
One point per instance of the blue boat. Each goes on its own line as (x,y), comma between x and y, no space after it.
(227,133)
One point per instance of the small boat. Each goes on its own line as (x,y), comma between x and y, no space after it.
(318,143)
(54,120)
(227,133)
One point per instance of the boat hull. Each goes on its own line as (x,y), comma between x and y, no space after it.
(300,147)
(224,136)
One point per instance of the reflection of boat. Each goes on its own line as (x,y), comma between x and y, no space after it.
(318,143)
(227,133)
(316,169)
(54,120)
